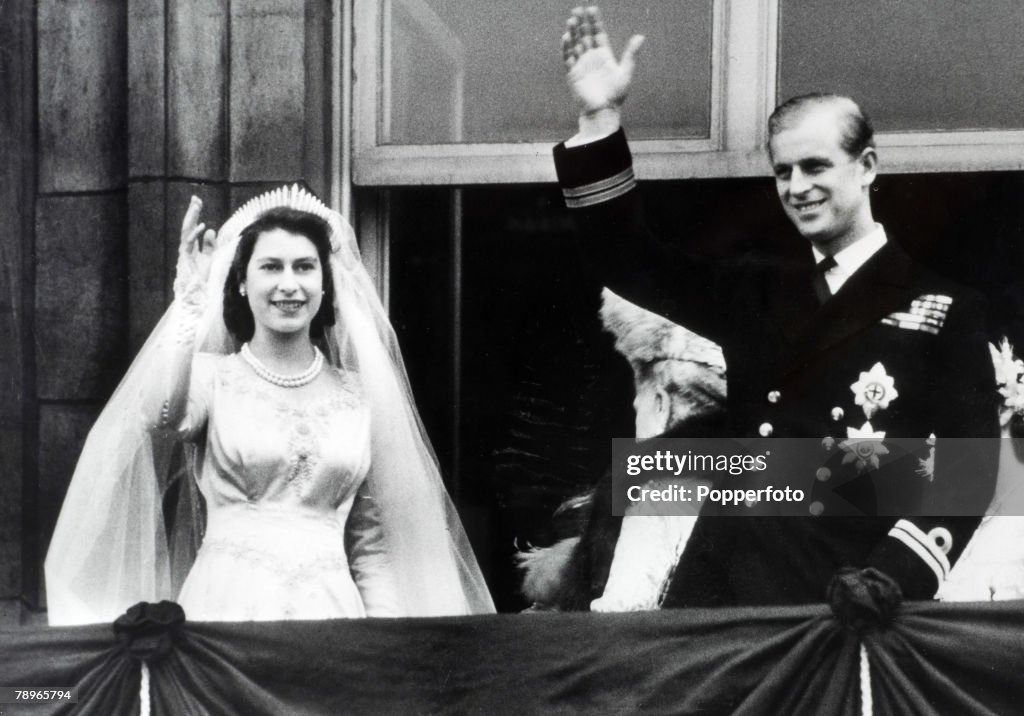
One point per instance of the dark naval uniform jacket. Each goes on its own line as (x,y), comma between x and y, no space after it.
(897,350)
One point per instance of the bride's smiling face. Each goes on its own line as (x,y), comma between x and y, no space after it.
(283,282)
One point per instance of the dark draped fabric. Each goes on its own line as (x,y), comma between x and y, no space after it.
(934,659)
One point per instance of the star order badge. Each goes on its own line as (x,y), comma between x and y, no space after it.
(864,446)
(874,390)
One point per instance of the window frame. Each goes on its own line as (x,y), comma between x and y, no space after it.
(379,164)
(735,147)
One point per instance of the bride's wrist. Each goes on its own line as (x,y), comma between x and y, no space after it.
(189,305)
(190,291)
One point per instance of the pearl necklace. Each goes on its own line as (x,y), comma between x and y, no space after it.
(285,381)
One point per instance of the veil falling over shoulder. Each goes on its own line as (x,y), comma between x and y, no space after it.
(110,548)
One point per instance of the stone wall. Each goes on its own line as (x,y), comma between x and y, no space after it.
(16,195)
(112,113)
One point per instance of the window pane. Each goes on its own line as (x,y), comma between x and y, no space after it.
(912,64)
(492,72)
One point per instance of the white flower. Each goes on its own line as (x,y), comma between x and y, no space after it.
(875,390)
(1010,377)
(926,466)
(1008,367)
(865,446)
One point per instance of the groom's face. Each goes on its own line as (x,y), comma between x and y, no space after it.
(823,188)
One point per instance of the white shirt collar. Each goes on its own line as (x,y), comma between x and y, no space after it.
(852,257)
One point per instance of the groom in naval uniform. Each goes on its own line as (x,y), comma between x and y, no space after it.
(861,343)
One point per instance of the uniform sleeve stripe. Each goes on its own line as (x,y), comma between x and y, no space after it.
(607,195)
(921,544)
(598,186)
(624,185)
(920,551)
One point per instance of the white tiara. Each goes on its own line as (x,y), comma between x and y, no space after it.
(292,197)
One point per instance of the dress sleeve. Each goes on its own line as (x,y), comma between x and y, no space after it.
(178,394)
(368,557)
(200,396)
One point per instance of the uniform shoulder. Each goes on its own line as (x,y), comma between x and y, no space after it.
(932,281)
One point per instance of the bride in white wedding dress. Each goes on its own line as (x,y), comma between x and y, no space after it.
(277,365)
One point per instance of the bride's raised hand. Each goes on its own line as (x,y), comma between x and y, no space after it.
(596,79)
(195,249)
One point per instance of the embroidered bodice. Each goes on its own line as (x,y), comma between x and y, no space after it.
(276,447)
(292,530)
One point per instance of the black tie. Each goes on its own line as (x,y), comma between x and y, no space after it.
(821,289)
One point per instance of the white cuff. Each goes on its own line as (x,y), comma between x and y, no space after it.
(923,546)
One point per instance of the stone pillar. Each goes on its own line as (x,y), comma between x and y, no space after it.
(80,304)
(16,200)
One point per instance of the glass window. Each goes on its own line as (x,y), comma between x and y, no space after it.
(458,71)
(912,64)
